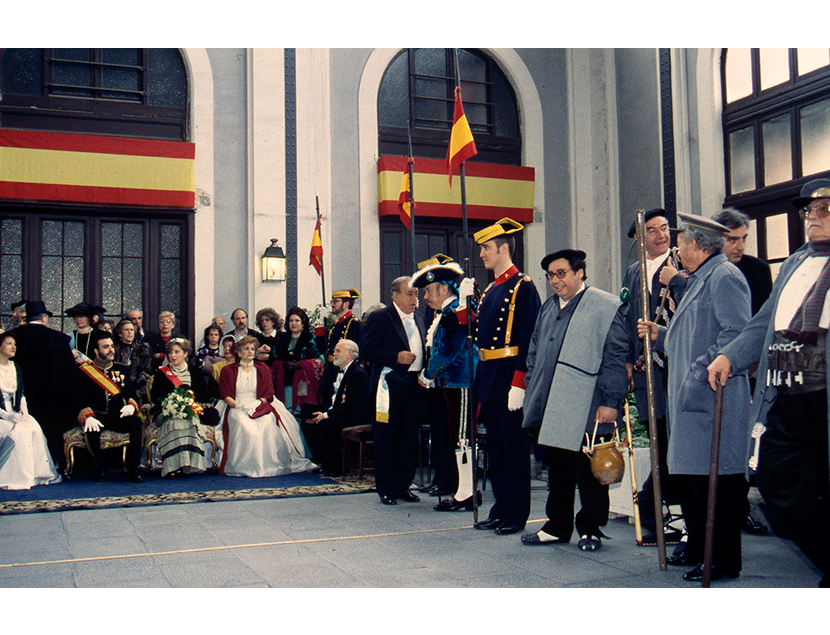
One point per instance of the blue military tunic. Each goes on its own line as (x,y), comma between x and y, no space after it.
(503,351)
(448,358)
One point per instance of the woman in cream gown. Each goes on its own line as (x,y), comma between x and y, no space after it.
(259,437)
(24,457)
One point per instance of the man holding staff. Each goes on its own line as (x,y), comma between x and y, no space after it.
(788,339)
(714,308)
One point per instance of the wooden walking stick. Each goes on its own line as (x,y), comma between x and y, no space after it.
(638,528)
(648,363)
(714,460)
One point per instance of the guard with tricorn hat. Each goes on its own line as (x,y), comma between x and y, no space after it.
(447,368)
(506,315)
(575,384)
(788,340)
(347,325)
(714,308)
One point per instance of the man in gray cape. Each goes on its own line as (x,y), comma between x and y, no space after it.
(788,336)
(576,379)
(714,308)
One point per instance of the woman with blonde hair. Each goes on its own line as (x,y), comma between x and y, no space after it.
(259,437)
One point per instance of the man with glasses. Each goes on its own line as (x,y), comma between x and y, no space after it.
(575,383)
(788,340)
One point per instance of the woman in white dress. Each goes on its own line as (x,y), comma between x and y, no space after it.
(24,457)
(259,437)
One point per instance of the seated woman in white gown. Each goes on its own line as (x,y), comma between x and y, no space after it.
(259,437)
(24,457)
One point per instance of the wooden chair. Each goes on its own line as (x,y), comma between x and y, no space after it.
(362,435)
(110,440)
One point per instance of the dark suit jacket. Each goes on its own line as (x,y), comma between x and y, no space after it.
(353,405)
(385,337)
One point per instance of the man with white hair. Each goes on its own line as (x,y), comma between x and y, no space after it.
(344,401)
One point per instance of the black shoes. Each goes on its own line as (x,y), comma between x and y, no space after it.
(680,560)
(505,530)
(534,539)
(490,523)
(409,497)
(718,573)
(388,500)
(752,526)
(452,505)
(589,543)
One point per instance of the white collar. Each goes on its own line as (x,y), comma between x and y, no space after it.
(404,316)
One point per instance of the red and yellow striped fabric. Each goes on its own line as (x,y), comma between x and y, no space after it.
(462,145)
(57,166)
(493,191)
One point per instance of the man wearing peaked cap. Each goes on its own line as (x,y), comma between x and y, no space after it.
(506,315)
(575,382)
(714,308)
(347,325)
(788,340)
(447,367)
(661,310)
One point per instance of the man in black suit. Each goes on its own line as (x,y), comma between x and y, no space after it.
(344,401)
(48,368)
(394,345)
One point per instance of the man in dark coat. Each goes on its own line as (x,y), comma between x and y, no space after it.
(345,400)
(49,372)
(107,400)
(505,320)
(394,345)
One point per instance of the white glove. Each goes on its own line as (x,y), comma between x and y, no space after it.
(465,289)
(92,425)
(17,417)
(515,398)
(127,410)
(426,383)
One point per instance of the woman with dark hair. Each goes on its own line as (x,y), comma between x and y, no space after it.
(297,366)
(24,457)
(181,438)
(210,353)
(134,354)
(259,437)
(270,325)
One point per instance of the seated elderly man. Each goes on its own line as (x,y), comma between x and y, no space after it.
(344,401)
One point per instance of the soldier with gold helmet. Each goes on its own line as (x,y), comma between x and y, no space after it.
(505,320)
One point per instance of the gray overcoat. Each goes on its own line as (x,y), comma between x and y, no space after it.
(714,308)
(756,338)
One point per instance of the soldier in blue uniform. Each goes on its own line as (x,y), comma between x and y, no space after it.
(505,322)
(346,327)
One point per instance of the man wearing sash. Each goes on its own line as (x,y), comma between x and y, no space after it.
(505,320)
(107,401)
(788,339)
(575,382)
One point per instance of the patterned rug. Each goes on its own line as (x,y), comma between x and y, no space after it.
(118,491)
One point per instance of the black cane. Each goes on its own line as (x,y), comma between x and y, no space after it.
(709,541)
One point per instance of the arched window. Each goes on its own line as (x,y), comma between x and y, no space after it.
(416,97)
(416,100)
(776,122)
(122,92)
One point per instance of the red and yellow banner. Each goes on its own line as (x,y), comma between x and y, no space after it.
(315,255)
(57,166)
(462,146)
(493,191)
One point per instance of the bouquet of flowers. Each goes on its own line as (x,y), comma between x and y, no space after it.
(180,404)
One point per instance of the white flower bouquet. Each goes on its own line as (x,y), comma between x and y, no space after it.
(180,404)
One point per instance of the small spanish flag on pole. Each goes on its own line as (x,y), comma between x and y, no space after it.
(315,257)
(462,146)
(405,202)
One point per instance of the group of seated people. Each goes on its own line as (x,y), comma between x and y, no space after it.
(234,402)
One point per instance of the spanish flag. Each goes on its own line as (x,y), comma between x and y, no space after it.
(315,256)
(405,198)
(462,146)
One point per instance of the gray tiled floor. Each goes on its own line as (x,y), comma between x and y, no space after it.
(338,541)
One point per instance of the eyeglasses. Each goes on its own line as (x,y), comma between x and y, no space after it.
(822,211)
(559,274)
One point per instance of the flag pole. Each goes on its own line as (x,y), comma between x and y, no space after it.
(470,419)
(322,271)
(411,200)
